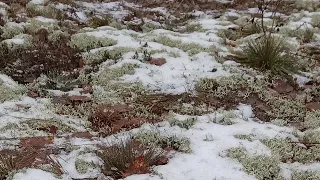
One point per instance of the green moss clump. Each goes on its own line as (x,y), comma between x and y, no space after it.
(11,29)
(105,54)
(110,74)
(187,123)
(58,35)
(263,167)
(48,11)
(10,126)
(38,23)
(36,124)
(305,175)
(85,42)
(315,20)
(312,119)
(83,166)
(248,137)
(229,34)
(194,27)
(286,151)
(191,48)
(154,139)
(221,86)
(147,27)
(7,93)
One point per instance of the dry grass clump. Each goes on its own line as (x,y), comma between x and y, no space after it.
(128,157)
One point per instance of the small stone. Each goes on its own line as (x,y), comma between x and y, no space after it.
(79,98)
(283,87)
(32,94)
(158,61)
(214,70)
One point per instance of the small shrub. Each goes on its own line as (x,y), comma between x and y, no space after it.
(268,53)
(128,157)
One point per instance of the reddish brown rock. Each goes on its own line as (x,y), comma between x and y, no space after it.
(36,142)
(283,87)
(158,61)
(313,106)
(32,94)
(79,98)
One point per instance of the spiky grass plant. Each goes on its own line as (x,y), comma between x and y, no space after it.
(128,157)
(268,53)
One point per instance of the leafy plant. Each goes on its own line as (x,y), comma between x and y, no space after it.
(268,53)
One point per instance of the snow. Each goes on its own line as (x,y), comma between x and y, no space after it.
(38,2)
(178,75)
(34,174)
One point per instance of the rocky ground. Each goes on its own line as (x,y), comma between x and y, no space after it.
(160,89)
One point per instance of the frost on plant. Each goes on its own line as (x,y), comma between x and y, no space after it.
(287,151)
(154,139)
(312,119)
(11,29)
(187,123)
(83,166)
(36,124)
(106,54)
(191,48)
(7,93)
(305,175)
(85,42)
(38,23)
(263,167)
(109,74)
(48,11)
(57,36)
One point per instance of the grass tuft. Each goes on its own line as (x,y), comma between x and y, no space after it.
(268,53)
(128,157)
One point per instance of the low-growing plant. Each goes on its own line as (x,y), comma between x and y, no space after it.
(154,139)
(187,123)
(262,167)
(100,21)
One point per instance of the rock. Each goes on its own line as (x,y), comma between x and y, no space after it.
(32,94)
(79,98)
(313,106)
(214,70)
(36,142)
(283,87)
(158,61)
